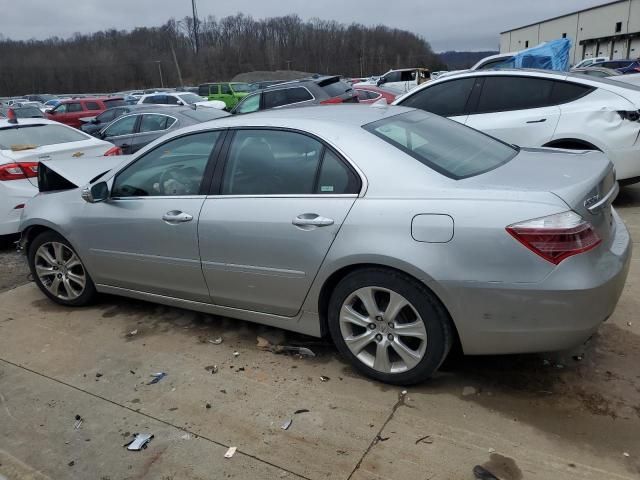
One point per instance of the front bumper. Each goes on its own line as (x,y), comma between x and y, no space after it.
(559,313)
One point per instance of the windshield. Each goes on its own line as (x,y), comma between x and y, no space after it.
(441,144)
(241,87)
(190,98)
(38,136)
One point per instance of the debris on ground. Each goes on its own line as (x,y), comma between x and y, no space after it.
(231,452)
(380,438)
(132,372)
(71,463)
(287,424)
(236,354)
(79,421)
(211,368)
(186,436)
(628,324)
(492,450)
(324,379)
(140,441)
(240,369)
(264,344)
(157,377)
(208,405)
(98,375)
(467,391)
(302,410)
(216,341)
(578,358)
(426,439)
(132,333)
(482,473)
(626,454)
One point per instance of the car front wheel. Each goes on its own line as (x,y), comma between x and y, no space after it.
(59,272)
(391,327)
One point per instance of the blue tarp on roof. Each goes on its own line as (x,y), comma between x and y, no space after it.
(553,55)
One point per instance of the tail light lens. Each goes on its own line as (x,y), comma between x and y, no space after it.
(113,151)
(556,237)
(18,171)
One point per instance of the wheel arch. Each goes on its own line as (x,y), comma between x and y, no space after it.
(32,231)
(572,144)
(334,278)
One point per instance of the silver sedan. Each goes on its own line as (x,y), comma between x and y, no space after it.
(397,232)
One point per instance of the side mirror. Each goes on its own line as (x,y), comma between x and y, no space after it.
(96,193)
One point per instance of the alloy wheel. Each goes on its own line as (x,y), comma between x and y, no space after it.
(383,330)
(60,270)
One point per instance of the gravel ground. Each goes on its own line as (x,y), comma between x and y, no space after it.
(13,266)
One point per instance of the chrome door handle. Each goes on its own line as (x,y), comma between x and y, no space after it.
(176,216)
(542,120)
(312,220)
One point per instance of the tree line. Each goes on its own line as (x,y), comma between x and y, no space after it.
(208,50)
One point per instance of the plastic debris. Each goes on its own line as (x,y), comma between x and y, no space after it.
(236,354)
(426,439)
(264,344)
(132,333)
(302,410)
(217,341)
(157,377)
(626,454)
(467,391)
(79,421)
(212,368)
(380,438)
(324,379)
(231,452)
(482,473)
(628,324)
(287,424)
(139,441)
(492,450)
(98,375)
(208,405)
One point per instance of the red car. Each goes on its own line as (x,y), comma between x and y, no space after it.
(371,94)
(71,111)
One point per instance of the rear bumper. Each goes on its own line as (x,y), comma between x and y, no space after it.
(559,313)
(12,194)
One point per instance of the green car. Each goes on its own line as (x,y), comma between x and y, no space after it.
(229,93)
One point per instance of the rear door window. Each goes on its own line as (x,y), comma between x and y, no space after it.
(124,126)
(443,145)
(505,93)
(225,90)
(115,102)
(152,123)
(171,100)
(74,107)
(447,99)
(92,106)
(203,90)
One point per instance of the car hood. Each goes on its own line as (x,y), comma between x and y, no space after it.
(76,172)
(219,104)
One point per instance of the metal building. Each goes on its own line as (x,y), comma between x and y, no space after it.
(610,30)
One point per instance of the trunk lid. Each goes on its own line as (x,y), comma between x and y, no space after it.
(75,151)
(54,174)
(584,180)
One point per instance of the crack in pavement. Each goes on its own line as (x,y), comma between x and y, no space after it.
(402,396)
(138,412)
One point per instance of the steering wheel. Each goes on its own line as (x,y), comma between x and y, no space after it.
(168,175)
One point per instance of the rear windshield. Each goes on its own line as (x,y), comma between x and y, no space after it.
(37,136)
(336,89)
(443,145)
(190,98)
(114,103)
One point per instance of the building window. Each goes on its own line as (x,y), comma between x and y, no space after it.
(526,44)
(618,27)
(564,35)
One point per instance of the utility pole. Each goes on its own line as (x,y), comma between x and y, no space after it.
(196,29)
(160,72)
(175,60)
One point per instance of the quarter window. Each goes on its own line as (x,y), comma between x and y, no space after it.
(565,92)
(335,177)
(123,126)
(447,99)
(173,168)
(269,162)
(153,123)
(506,93)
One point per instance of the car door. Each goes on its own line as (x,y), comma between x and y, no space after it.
(271,218)
(226,95)
(75,111)
(144,237)
(150,127)
(121,131)
(449,98)
(517,110)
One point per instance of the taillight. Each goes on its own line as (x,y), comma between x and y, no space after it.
(332,100)
(556,237)
(18,171)
(113,151)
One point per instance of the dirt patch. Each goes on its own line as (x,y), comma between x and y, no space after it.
(13,266)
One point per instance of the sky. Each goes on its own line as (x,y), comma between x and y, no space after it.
(446,24)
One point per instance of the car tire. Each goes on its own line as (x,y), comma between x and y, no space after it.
(59,272)
(402,345)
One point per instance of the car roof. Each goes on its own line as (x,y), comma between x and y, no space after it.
(4,123)
(89,99)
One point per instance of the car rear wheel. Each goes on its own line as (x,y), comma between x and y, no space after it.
(58,271)
(391,327)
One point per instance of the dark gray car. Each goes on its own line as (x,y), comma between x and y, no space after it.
(93,125)
(304,92)
(137,129)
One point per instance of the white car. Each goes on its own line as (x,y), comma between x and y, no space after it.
(180,98)
(535,108)
(590,61)
(403,79)
(22,146)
